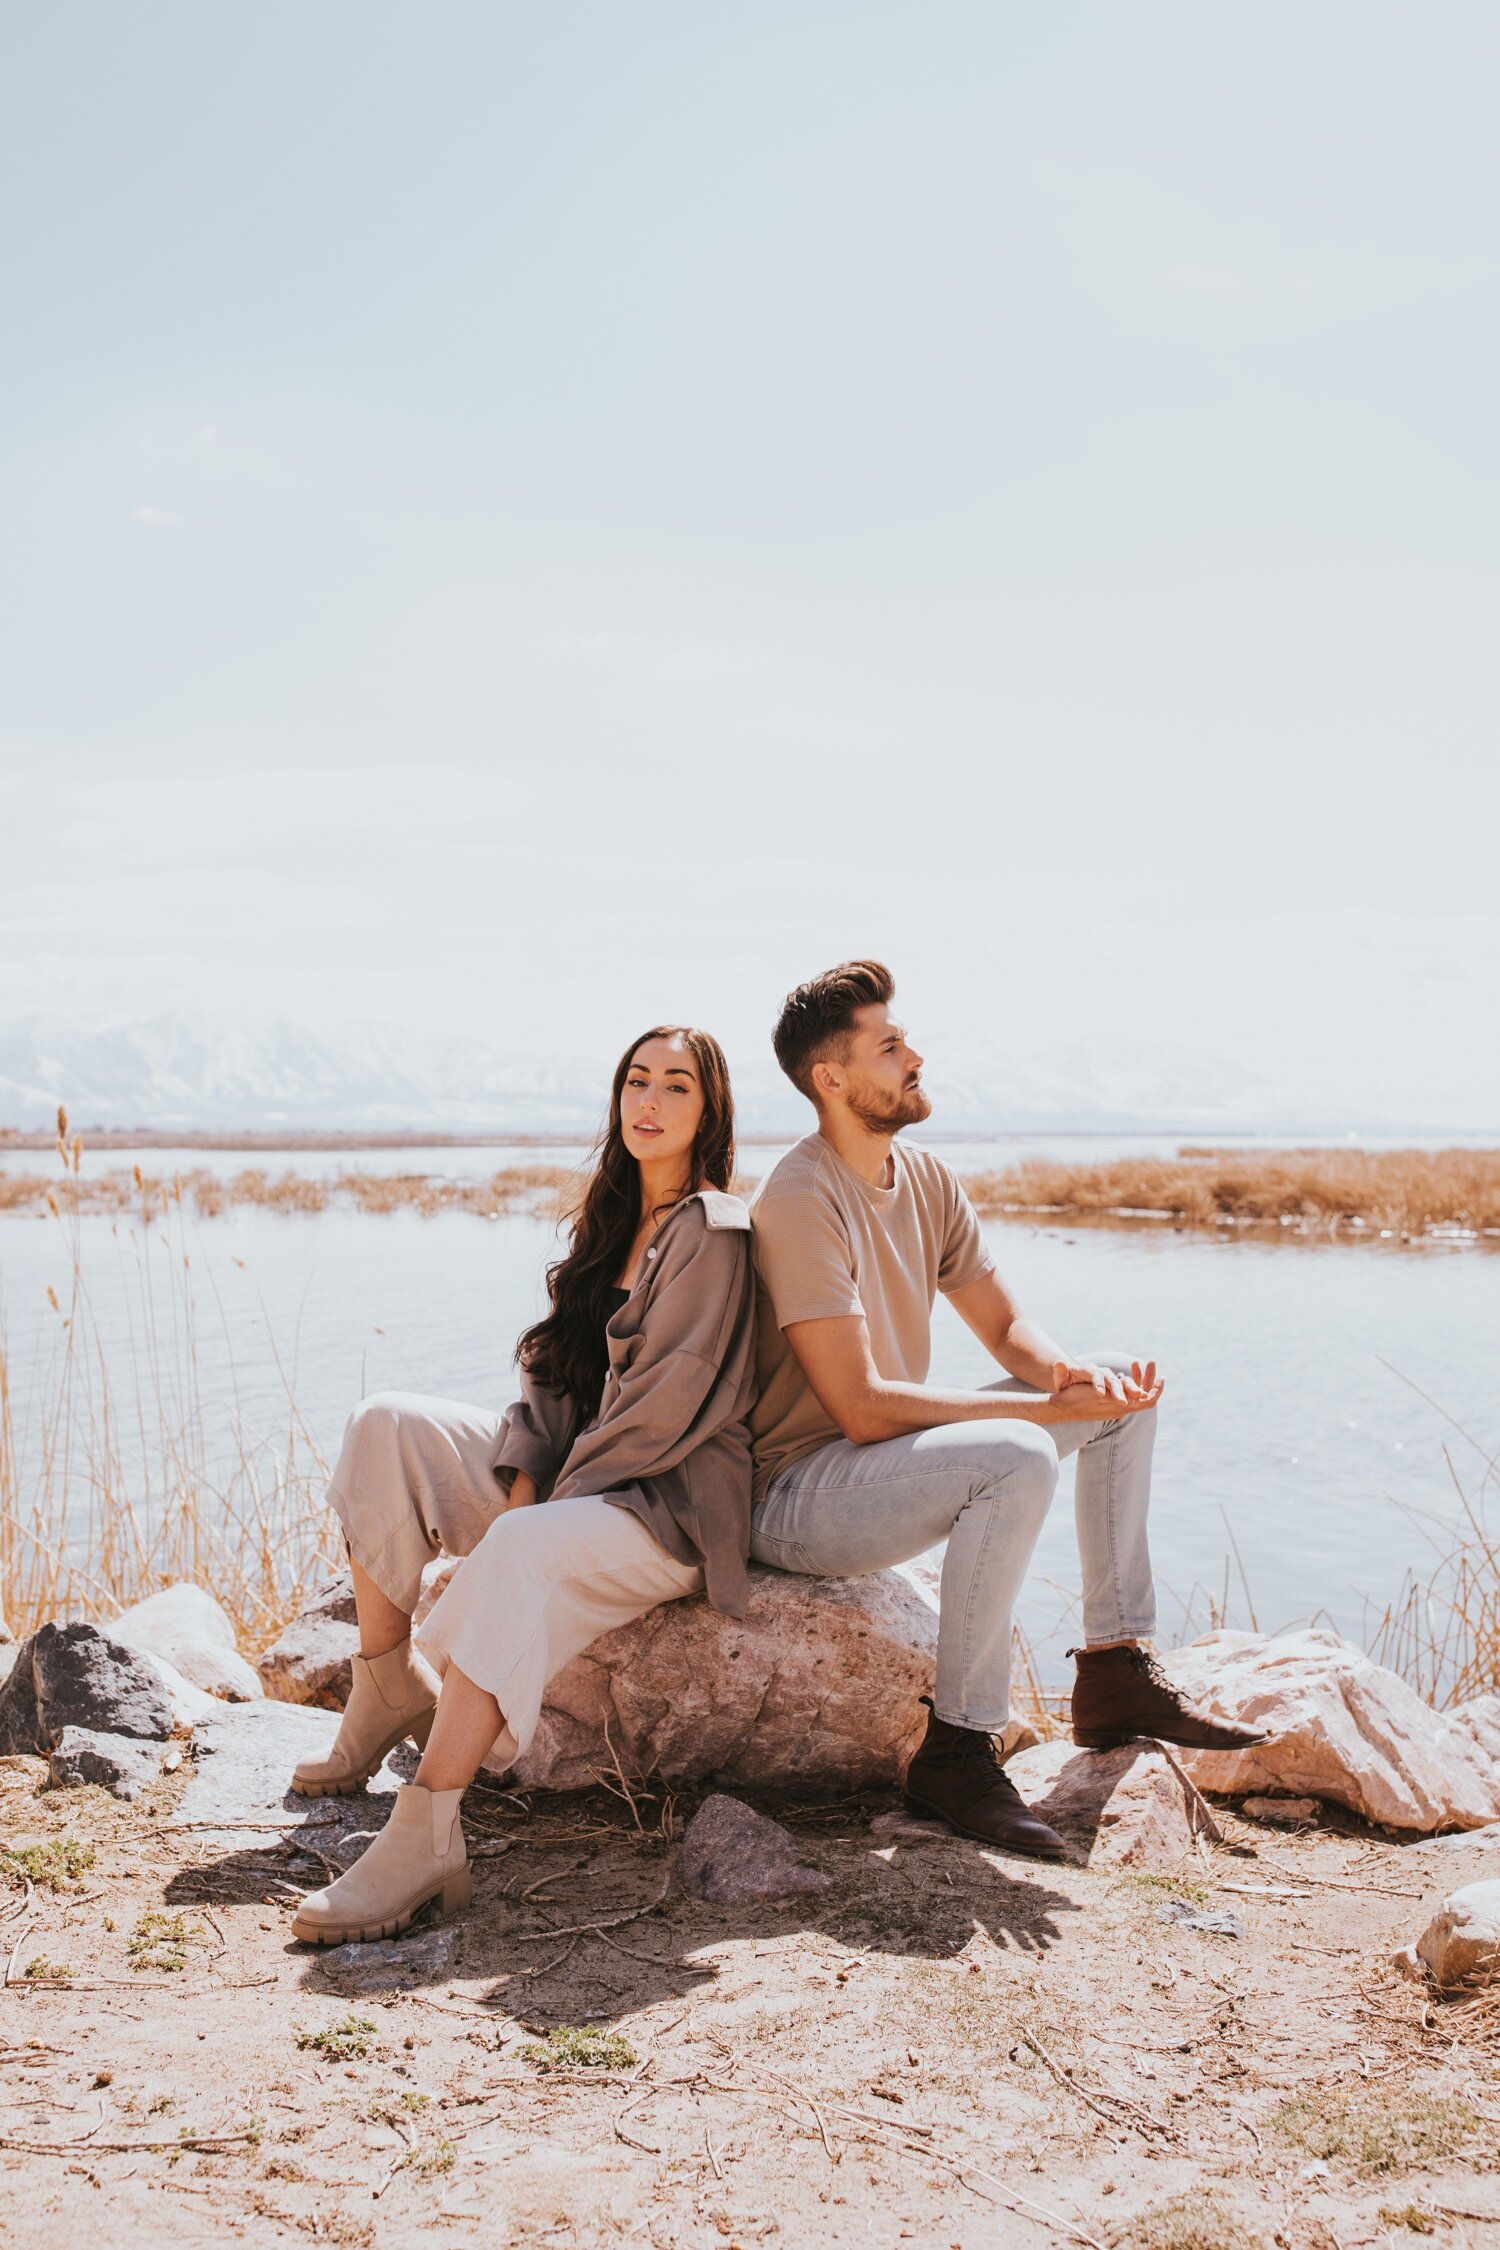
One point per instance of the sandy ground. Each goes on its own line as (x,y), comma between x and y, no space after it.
(948,2047)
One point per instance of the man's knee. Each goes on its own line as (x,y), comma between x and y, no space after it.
(1015,1462)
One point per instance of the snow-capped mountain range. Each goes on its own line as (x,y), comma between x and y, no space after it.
(175,1072)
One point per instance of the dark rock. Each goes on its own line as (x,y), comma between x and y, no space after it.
(731,1854)
(119,1763)
(73,1675)
(310,1662)
(20,1723)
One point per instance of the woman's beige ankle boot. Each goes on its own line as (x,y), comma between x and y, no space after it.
(418,1855)
(393,1696)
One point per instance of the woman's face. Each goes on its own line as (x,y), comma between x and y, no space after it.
(661,1102)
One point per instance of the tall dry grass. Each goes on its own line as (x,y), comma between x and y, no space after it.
(1442,1632)
(116,1478)
(1400,1192)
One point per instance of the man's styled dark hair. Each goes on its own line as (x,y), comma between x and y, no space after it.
(816,1022)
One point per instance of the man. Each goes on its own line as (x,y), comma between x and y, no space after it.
(860,1462)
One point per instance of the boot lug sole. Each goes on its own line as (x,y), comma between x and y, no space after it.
(350,1784)
(452,1895)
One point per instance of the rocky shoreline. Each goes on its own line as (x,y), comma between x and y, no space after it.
(1255,2010)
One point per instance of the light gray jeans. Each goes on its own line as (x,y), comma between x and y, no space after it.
(985,1488)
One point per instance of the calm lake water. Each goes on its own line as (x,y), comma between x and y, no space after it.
(1282,1420)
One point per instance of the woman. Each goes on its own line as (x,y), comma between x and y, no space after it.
(630,1428)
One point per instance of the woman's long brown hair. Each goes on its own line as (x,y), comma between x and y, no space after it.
(566,1350)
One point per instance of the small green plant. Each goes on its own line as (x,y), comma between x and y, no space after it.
(1409,2215)
(160,1942)
(580,2047)
(1375,2134)
(441,2157)
(39,1970)
(388,2113)
(1166,1886)
(1189,2222)
(52,1866)
(345,2041)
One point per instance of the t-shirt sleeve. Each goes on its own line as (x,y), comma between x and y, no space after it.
(964,1257)
(803,1257)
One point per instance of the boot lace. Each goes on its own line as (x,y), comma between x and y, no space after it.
(1150,1670)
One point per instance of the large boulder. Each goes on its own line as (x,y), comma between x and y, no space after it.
(816,1687)
(1129,1807)
(1344,1729)
(1460,1947)
(311,1661)
(187,1627)
(75,1675)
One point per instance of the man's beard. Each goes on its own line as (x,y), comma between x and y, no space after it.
(888,1115)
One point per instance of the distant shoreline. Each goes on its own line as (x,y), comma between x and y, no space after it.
(310,1139)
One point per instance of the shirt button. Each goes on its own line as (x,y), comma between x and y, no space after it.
(651,1253)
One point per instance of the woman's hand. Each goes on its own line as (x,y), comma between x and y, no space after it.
(522,1492)
(1085,1393)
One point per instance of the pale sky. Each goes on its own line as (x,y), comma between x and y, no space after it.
(531,519)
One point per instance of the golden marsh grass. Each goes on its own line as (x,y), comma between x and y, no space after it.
(526,1189)
(1395,1194)
(1400,1193)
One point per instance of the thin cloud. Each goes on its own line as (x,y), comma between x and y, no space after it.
(156,519)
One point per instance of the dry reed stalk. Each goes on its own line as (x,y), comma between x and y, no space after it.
(1401,1192)
(114,1488)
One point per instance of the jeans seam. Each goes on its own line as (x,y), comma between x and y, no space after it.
(974,1577)
(1109,1525)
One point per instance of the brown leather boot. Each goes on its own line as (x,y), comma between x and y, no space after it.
(957,1774)
(1122,1694)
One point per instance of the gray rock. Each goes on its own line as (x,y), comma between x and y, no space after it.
(393,1963)
(1219,1923)
(120,1763)
(244,1754)
(731,1854)
(310,1662)
(74,1675)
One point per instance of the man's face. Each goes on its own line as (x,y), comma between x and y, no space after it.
(882,1078)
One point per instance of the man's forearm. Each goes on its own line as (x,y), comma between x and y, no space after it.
(893,1410)
(1029,1354)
